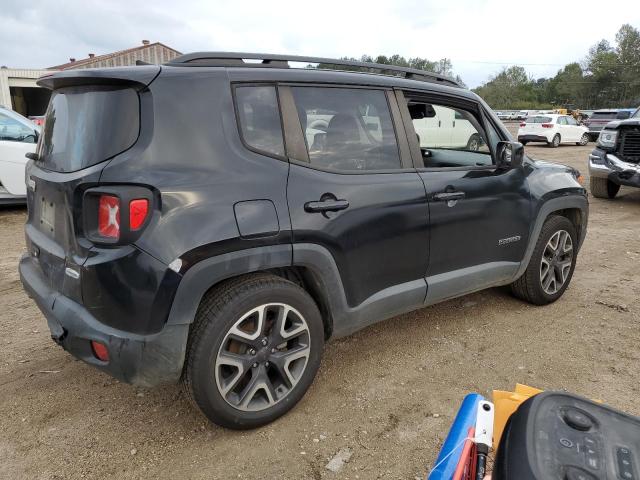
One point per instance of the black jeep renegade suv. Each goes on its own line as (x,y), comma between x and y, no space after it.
(216,221)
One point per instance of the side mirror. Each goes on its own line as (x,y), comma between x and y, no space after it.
(510,154)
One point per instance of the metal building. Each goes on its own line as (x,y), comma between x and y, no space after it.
(19,92)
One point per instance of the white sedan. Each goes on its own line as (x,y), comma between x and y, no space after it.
(18,136)
(552,129)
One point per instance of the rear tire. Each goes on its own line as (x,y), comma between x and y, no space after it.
(550,270)
(603,187)
(583,140)
(253,351)
(555,141)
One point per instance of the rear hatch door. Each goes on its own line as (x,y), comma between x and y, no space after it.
(533,125)
(90,119)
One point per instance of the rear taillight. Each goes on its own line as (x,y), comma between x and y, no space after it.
(109,216)
(523,124)
(547,125)
(116,214)
(100,351)
(138,210)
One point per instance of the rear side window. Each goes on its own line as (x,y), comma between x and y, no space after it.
(538,119)
(259,119)
(623,115)
(347,129)
(87,125)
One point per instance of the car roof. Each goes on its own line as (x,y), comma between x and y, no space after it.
(270,60)
(327,76)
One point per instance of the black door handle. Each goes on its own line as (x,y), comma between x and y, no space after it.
(448,196)
(325,206)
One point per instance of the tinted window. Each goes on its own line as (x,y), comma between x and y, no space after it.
(538,120)
(86,125)
(347,129)
(603,115)
(12,130)
(623,115)
(259,118)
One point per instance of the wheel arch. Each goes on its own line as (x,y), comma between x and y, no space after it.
(209,273)
(574,207)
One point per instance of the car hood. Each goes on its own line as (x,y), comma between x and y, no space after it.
(629,122)
(555,167)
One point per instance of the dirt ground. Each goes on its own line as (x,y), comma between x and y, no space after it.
(388,393)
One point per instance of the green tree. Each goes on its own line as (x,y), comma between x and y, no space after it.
(628,52)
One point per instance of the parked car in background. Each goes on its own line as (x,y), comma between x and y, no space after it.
(523,114)
(553,129)
(18,136)
(600,118)
(38,120)
(616,159)
(447,128)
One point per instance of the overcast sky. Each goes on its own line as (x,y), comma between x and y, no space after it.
(478,36)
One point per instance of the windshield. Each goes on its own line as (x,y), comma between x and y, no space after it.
(636,114)
(603,115)
(15,128)
(87,125)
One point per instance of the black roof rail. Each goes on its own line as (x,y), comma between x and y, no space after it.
(266,60)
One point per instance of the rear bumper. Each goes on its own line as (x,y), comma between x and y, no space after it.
(533,138)
(607,165)
(145,360)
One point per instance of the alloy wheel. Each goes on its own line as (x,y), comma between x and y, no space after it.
(557,259)
(262,357)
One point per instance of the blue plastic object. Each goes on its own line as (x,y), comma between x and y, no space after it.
(465,419)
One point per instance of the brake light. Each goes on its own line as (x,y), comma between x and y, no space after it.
(100,351)
(109,216)
(523,124)
(138,210)
(547,125)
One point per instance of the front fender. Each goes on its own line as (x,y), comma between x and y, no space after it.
(560,201)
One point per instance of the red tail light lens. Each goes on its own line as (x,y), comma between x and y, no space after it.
(547,125)
(138,210)
(109,216)
(100,351)
(523,124)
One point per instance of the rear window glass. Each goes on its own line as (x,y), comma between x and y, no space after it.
(538,120)
(603,115)
(259,118)
(87,125)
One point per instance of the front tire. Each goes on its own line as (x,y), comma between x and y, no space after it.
(551,265)
(254,350)
(555,141)
(474,143)
(603,187)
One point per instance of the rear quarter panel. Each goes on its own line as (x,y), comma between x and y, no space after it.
(190,151)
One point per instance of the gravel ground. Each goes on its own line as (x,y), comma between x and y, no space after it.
(385,395)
